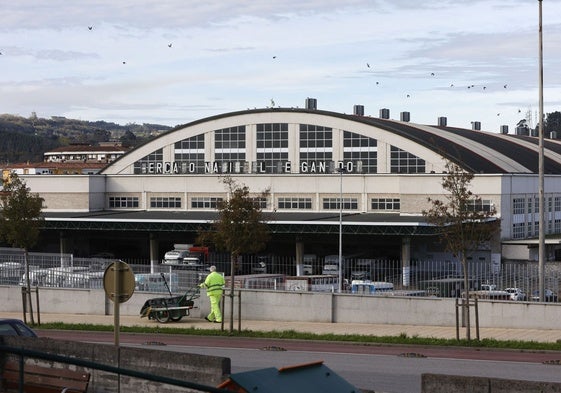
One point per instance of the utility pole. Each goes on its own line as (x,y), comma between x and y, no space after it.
(541,257)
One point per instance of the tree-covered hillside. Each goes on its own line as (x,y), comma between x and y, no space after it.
(26,139)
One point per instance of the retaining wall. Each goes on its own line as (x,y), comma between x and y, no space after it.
(307,307)
(437,383)
(200,369)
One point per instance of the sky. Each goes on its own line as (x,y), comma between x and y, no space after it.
(171,62)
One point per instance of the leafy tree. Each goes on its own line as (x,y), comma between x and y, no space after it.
(239,229)
(465,225)
(552,123)
(20,220)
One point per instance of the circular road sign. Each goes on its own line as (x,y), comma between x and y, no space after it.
(118,276)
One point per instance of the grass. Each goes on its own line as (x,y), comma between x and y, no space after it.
(401,339)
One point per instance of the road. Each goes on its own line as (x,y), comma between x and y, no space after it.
(381,368)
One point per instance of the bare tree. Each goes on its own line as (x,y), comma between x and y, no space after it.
(239,229)
(465,223)
(20,221)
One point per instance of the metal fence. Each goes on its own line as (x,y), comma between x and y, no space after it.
(372,276)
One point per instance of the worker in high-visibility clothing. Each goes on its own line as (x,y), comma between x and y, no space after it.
(214,283)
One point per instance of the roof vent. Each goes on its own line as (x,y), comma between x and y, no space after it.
(384,113)
(311,103)
(358,110)
(554,135)
(522,131)
(442,121)
(504,129)
(405,116)
(476,125)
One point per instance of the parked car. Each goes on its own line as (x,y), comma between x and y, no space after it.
(15,327)
(516,294)
(549,296)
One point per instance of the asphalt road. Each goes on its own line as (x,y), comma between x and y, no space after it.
(381,368)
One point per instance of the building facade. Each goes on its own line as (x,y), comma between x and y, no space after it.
(368,177)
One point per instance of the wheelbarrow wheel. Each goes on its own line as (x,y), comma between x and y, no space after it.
(162,316)
(175,316)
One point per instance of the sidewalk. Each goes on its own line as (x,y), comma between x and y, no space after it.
(446,332)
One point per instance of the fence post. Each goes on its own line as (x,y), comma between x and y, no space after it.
(24,300)
(476,319)
(457,320)
(239,311)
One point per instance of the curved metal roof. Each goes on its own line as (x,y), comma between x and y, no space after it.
(475,151)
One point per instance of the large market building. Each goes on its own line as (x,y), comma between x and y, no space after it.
(383,170)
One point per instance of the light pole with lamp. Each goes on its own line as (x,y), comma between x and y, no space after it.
(341,169)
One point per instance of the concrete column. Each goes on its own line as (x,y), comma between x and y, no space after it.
(299,258)
(64,245)
(154,251)
(406,259)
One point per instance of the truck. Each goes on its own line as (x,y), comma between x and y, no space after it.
(186,255)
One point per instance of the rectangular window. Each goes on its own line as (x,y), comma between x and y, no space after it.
(385,204)
(518,206)
(123,202)
(295,203)
(272,146)
(205,202)
(480,205)
(316,146)
(165,202)
(260,202)
(334,203)
(518,230)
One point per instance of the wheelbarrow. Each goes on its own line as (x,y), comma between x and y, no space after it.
(173,308)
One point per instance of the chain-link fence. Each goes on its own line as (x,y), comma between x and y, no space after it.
(371,276)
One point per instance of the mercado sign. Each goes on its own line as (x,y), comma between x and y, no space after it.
(257,167)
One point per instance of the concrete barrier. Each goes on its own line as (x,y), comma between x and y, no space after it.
(439,383)
(200,369)
(307,307)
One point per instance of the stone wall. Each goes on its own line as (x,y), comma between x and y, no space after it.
(200,369)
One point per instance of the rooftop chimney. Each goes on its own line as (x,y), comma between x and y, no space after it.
(405,116)
(358,110)
(504,129)
(384,113)
(311,103)
(476,125)
(442,121)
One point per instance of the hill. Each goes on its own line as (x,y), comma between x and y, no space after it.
(26,139)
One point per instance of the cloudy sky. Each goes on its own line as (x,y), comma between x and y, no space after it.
(174,61)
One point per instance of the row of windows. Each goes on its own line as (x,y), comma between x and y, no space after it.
(272,144)
(526,210)
(283,203)
(385,204)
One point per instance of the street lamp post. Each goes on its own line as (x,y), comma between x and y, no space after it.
(340,285)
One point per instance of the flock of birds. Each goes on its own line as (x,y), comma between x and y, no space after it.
(472,86)
(432,74)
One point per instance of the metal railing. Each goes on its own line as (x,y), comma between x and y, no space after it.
(428,277)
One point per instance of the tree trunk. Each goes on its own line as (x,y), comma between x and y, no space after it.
(466,292)
(28,286)
(233,261)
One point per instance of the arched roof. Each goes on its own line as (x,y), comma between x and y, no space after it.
(475,151)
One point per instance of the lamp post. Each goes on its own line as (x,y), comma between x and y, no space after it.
(541,188)
(340,284)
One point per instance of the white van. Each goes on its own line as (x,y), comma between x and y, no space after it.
(331,264)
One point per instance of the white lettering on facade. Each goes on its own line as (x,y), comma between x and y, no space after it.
(250,167)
